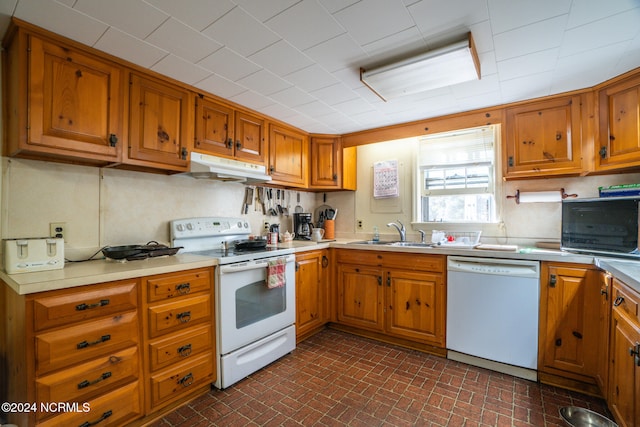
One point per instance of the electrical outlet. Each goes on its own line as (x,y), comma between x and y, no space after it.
(58,229)
(359,222)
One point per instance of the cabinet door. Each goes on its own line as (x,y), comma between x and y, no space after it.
(619,125)
(624,375)
(75,103)
(360,297)
(544,138)
(325,162)
(214,128)
(311,291)
(159,124)
(604,319)
(250,138)
(288,157)
(569,330)
(415,305)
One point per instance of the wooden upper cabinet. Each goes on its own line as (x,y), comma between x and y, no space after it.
(326,163)
(544,139)
(288,156)
(220,130)
(618,144)
(74,102)
(160,123)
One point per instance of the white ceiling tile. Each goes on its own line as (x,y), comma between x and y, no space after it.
(390,17)
(199,14)
(398,44)
(292,97)
(335,94)
(264,82)
(482,36)
(509,14)
(334,6)
(350,76)
(534,63)
(252,100)
(315,109)
(585,11)
(305,24)
(337,53)
(311,78)
(527,87)
(131,16)
(241,32)
(488,64)
(529,39)
(229,64)
(179,69)
(353,106)
(434,17)
(281,58)
(129,48)
(487,84)
(218,85)
(183,41)
(279,111)
(263,10)
(61,19)
(610,30)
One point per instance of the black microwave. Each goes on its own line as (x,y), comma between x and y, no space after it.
(601,226)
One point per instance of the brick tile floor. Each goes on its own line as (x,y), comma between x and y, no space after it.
(337,379)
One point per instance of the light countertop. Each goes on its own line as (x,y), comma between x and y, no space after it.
(99,271)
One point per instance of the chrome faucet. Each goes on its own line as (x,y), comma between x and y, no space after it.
(401,230)
(422,235)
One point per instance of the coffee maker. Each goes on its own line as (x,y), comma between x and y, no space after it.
(302,226)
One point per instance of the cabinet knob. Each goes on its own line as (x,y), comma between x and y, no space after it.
(552,281)
(113,140)
(603,152)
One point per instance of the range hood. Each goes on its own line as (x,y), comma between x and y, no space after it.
(205,166)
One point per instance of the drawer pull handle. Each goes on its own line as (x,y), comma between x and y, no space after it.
(187,380)
(184,317)
(99,420)
(87,383)
(84,306)
(85,344)
(183,288)
(184,350)
(618,301)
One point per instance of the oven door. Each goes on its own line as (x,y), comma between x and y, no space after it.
(247,309)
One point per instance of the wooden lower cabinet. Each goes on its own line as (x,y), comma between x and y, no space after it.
(178,338)
(571,333)
(77,346)
(399,295)
(624,356)
(312,292)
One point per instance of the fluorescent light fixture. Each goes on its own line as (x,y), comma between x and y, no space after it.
(437,68)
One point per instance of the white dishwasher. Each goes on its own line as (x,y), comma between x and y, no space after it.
(492,313)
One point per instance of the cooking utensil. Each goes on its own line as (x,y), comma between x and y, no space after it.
(130,252)
(248,245)
(272,210)
(285,208)
(260,197)
(298,208)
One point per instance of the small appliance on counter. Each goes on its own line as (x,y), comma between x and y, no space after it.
(302,226)
(33,254)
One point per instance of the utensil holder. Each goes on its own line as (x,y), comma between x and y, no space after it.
(329,229)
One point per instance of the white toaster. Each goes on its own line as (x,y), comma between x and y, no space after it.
(37,254)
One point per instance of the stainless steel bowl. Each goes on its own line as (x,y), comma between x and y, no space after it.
(581,417)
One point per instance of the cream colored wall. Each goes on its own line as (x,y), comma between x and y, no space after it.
(114,207)
(522,224)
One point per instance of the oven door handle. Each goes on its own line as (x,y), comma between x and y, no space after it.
(250,265)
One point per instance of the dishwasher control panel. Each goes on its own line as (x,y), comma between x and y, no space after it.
(494,266)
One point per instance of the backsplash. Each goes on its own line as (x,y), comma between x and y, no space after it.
(115,207)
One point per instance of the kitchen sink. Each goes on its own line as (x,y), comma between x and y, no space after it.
(373,242)
(413,244)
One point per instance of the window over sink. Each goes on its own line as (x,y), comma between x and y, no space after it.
(456,172)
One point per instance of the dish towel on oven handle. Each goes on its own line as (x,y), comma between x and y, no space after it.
(275,273)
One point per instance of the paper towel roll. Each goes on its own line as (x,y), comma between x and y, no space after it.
(540,196)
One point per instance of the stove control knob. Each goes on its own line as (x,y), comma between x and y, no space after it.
(189,226)
(239,224)
(246,225)
(180,227)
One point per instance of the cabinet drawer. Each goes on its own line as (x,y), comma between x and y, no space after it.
(174,285)
(172,383)
(406,260)
(177,348)
(626,300)
(90,302)
(75,344)
(112,409)
(359,257)
(97,376)
(178,315)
